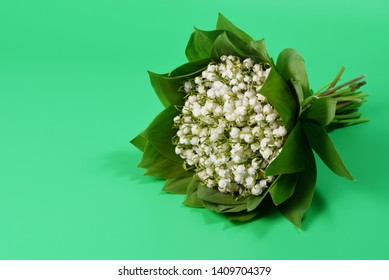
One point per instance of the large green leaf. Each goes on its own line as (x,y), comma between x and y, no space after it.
(192,199)
(200,44)
(297,205)
(224,46)
(291,66)
(140,142)
(165,168)
(223,208)
(278,93)
(254,200)
(150,154)
(298,91)
(214,196)
(188,70)
(161,132)
(323,146)
(289,160)
(228,43)
(322,111)
(283,188)
(259,49)
(168,87)
(243,216)
(177,186)
(224,24)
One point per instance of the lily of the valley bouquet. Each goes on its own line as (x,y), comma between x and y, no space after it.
(238,130)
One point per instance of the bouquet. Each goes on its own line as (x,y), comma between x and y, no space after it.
(238,130)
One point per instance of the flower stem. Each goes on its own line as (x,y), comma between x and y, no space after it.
(337,77)
(348,99)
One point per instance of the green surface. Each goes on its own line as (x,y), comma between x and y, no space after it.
(74,90)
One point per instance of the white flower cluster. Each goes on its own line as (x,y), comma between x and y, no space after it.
(227,131)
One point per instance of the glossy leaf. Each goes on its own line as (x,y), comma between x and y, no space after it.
(297,205)
(289,160)
(168,87)
(224,46)
(150,154)
(139,142)
(224,24)
(298,90)
(283,189)
(188,70)
(292,66)
(322,111)
(165,168)
(243,216)
(254,200)
(177,186)
(323,146)
(223,208)
(259,49)
(200,44)
(192,199)
(214,196)
(277,92)
(161,132)
(228,43)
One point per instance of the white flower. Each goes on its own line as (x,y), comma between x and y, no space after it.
(223,183)
(235,132)
(187,86)
(282,131)
(227,131)
(266,153)
(240,169)
(194,141)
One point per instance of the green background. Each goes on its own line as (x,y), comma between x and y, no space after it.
(74,90)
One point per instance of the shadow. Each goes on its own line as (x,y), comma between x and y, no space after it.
(124,163)
(262,225)
(316,210)
(211,217)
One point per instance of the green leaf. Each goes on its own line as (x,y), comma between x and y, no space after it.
(192,199)
(254,200)
(224,46)
(188,70)
(168,87)
(289,160)
(298,90)
(259,49)
(228,43)
(283,189)
(223,208)
(161,132)
(165,168)
(200,44)
(243,216)
(291,66)
(322,111)
(278,93)
(214,196)
(177,186)
(139,142)
(150,154)
(298,204)
(323,146)
(224,24)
